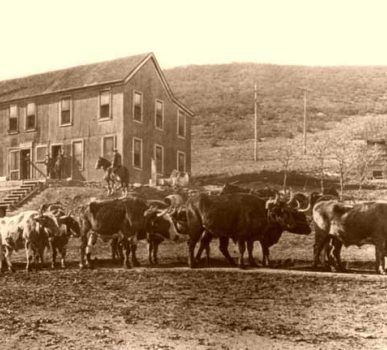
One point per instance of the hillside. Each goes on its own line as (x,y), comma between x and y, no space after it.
(222,97)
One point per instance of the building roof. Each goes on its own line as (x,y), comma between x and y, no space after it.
(114,71)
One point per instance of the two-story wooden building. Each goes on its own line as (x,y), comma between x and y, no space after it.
(86,112)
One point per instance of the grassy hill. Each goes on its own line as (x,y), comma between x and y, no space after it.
(222,96)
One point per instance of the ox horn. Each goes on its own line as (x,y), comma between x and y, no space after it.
(309,206)
(162,213)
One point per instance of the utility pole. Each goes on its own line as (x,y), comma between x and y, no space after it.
(305,127)
(255,124)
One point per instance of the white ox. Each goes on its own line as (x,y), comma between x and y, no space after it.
(28,230)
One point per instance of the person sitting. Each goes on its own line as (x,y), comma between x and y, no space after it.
(117,161)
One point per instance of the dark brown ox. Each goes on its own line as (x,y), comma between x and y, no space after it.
(127,218)
(241,217)
(271,235)
(364,223)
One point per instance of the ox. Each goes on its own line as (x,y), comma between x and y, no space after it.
(27,230)
(241,217)
(271,235)
(364,223)
(126,220)
(159,224)
(322,217)
(68,227)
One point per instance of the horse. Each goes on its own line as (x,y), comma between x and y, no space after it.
(120,175)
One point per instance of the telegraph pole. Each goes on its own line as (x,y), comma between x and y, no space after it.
(255,124)
(305,127)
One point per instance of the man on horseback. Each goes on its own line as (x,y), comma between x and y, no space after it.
(117,161)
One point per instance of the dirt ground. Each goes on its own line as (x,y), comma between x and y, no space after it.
(173,307)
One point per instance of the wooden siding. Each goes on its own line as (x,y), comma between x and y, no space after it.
(85,126)
(148,82)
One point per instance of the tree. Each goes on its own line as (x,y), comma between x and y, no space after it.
(344,153)
(286,155)
(365,157)
(320,151)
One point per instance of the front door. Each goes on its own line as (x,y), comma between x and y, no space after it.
(25,164)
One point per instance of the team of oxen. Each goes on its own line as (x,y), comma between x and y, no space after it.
(236,213)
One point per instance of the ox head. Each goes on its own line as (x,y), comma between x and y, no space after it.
(337,224)
(160,222)
(72,225)
(48,224)
(290,219)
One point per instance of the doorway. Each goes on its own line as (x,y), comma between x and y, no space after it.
(25,164)
(55,150)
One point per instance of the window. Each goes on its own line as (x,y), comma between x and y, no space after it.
(181,161)
(137,106)
(159,159)
(104,105)
(159,115)
(377,174)
(137,153)
(31,116)
(65,111)
(77,154)
(13,118)
(108,145)
(181,124)
(14,165)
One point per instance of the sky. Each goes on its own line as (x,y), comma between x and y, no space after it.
(40,35)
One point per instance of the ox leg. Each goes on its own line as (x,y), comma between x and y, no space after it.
(29,256)
(133,248)
(63,257)
(191,250)
(8,254)
(204,244)
(223,247)
(265,255)
(83,253)
(91,240)
(150,248)
(53,253)
(155,252)
(337,245)
(1,258)
(250,247)
(379,255)
(319,242)
(127,247)
(242,248)
(114,247)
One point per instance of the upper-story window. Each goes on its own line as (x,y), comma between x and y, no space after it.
(105,104)
(159,115)
(31,116)
(65,111)
(137,106)
(13,118)
(181,121)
